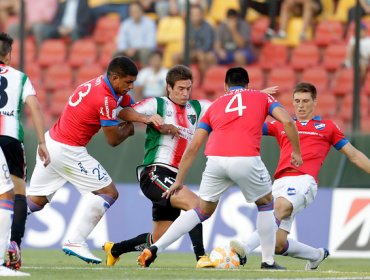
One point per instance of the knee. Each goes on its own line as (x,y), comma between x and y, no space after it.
(280,247)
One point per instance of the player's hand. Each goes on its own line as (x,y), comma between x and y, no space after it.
(169,129)
(296,160)
(155,120)
(127,127)
(174,188)
(271,90)
(44,154)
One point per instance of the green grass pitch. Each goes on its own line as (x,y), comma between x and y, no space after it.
(54,264)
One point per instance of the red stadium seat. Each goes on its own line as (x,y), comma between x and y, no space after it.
(88,72)
(343,82)
(29,53)
(213,84)
(334,56)
(82,52)
(106,54)
(316,76)
(283,77)
(58,76)
(346,108)
(326,105)
(52,51)
(328,32)
(305,56)
(366,87)
(272,56)
(256,77)
(59,100)
(33,72)
(106,29)
(259,28)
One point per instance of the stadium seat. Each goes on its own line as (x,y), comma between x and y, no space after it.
(29,53)
(346,108)
(106,54)
(58,76)
(52,51)
(294,28)
(305,56)
(33,72)
(82,52)
(326,105)
(219,8)
(286,100)
(366,86)
(170,29)
(259,28)
(59,100)
(272,56)
(213,84)
(106,29)
(283,77)
(343,82)
(328,32)
(88,72)
(316,76)
(256,77)
(365,124)
(327,10)
(334,56)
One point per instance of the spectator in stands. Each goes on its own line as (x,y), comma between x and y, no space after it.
(103,7)
(162,7)
(7,9)
(270,8)
(73,19)
(308,9)
(364,10)
(137,35)
(232,43)
(364,51)
(36,18)
(151,80)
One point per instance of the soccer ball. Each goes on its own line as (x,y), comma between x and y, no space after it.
(223,257)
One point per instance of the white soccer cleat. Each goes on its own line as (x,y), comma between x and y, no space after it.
(4,271)
(312,265)
(80,250)
(239,249)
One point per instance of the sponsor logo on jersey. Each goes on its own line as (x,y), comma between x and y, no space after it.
(319,126)
(291,191)
(106,103)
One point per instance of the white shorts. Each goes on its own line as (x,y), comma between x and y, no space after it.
(6,183)
(249,173)
(299,190)
(68,164)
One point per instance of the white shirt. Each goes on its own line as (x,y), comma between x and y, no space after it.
(154,83)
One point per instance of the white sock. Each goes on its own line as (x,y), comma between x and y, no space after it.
(183,224)
(6,214)
(300,250)
(266,228)
(252,242)
(91,210)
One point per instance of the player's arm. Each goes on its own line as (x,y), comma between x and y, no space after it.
(291,131)
(128,114)
(116,134)
(187,160)
(38,122)
(356,157)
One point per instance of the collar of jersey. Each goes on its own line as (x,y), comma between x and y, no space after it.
(315,118)
(110,87)
(236,87)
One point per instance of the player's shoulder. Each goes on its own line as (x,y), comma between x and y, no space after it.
(11,71)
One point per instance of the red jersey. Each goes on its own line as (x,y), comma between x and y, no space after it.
(235,120)
(316,137)
(92,105)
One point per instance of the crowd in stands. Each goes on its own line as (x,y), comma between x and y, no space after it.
(279,42)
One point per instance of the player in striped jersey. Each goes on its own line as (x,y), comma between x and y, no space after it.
(16,89)
(164,147)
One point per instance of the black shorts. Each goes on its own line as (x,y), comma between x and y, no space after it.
(154,181)
(15,156)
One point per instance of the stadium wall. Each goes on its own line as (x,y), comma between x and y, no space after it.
(338,219)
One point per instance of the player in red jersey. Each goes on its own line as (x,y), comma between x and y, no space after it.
(91,106)
(295,187)
(233,157)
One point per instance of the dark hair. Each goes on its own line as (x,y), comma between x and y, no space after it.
(122,66)
(306,87)
(232,13)
(178,73)
(6,43)
(237,76)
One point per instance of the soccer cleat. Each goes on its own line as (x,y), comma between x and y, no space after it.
(111,260)
(273,266)
(14,255)
(80,250)
(312,265)
(147,256)
(5,271)
(204,261)
(239,249)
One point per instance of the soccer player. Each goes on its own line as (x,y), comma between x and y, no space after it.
(233,157)
(16,89)
(163,153)
(6,213)
(295,187)
(91,106)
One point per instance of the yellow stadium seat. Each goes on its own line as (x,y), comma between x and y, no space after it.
(219,8)
(170,29)
(169,51)
(327,10)
(294,29)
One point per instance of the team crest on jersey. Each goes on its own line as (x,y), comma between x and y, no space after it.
(319,126)
(192,119)
(3,70)
(169,113)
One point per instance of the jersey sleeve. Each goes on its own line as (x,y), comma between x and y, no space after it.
(205,122)
(108,115)
(338,139)
(126,101)
(204,105)
(272,103)
(146,106)
(270,128)
(28,88)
